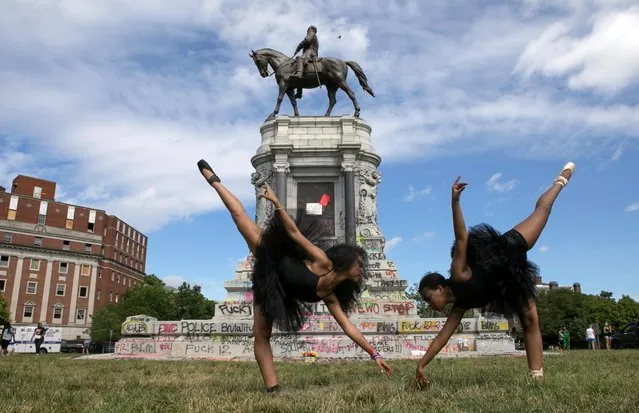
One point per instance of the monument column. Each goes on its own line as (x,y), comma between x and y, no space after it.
(281,167)
(349,199)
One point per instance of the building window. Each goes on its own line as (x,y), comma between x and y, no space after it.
(13,206)
(37,192)
(86,269)
(97,295)
(28,311)
(110,296)
(37,241)
(57,313)
(42,219)
(91,225)
(66,245)
(64,268)
(4,261)
(8,238)
(80,315)
(84,292)
(59,290)
(117,297)
(87,248)
(32,287)
(34,265)
(118,278)
(129,282)
(3,284)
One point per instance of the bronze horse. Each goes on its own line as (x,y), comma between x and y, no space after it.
(329,71)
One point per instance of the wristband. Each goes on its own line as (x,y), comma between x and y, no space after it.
(376,356)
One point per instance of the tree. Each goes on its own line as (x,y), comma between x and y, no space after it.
(190,304)
(565,308)
(107,320)
(154,299)
(5,315)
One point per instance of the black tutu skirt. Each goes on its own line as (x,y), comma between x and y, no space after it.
(273,257)
(499,263)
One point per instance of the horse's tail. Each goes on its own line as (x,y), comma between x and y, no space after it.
(363,81)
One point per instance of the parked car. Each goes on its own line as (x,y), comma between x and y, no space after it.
(71,346)
(625,337)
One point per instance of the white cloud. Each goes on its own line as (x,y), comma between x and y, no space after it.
(634,207)
(605,59)
(617,154)
(413,195)
(392,243)
(493,184)
(117,101)
(173,280)
(543,248)
(424,236)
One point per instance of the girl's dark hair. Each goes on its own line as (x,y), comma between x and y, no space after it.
(430,281)
(343,257)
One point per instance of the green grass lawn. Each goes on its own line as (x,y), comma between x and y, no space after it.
(576,381)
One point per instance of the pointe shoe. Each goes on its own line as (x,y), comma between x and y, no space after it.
(537,375)
(203,165)
(570,166)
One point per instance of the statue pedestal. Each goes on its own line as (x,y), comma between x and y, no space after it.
(309,160)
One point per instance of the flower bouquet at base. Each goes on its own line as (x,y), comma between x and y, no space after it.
(310,356)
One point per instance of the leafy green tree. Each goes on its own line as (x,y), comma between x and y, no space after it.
(155,299)
(190,304)
(4,310)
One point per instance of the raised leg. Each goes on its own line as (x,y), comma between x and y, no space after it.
(532,337)
(331,90)
(531,227)
(262,330)
(344,86)
(249,229)
(291,95)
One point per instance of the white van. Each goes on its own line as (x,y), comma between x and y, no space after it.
(24,344)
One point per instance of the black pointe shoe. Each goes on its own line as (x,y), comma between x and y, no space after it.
(203,165)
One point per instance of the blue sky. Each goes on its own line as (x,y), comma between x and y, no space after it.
(116,101)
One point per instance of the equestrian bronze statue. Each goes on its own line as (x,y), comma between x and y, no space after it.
(327,71)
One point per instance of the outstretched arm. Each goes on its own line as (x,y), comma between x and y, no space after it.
(454,317)
(300,47)
(332,303)
(314,253)
(459,265)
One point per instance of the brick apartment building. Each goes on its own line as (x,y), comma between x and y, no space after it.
(61,262)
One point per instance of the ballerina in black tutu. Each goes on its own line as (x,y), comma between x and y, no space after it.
(289,271)
(491,271)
